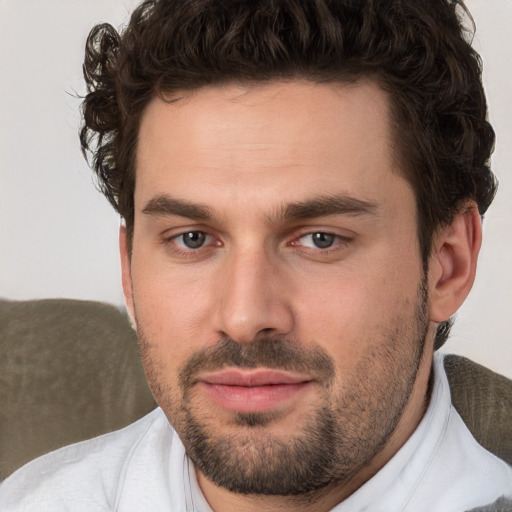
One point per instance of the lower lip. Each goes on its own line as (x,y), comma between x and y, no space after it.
(255,398)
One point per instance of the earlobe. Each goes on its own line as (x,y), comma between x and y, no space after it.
(126,274)
(452,265)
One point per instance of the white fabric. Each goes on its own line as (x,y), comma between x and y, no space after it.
(144,468)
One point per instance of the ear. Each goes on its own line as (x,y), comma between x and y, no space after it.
(452,266)
(126,273)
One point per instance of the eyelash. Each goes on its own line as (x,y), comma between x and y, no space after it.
(189,251)
(339,242)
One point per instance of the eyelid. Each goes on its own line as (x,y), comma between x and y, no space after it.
(335,251)
(170,237)
(339,238)
(174,232)
(344,234)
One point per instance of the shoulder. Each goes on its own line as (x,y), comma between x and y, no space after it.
(483,399)
(86,474)
(459,473)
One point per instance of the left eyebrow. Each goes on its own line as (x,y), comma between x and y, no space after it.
(327,205)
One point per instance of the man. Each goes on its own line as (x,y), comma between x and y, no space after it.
(302,183)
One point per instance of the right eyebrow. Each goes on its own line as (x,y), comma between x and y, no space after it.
(163,205)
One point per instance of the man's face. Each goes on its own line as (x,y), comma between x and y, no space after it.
(276,280)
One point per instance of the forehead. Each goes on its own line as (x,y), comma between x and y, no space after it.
(283,139)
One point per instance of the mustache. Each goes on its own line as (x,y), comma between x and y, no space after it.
(273,353)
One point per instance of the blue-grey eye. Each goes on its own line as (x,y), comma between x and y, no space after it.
(322,240)
(194,239)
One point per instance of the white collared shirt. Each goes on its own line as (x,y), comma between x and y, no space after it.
(144,468)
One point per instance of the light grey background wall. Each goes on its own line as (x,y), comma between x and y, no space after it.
(58,236)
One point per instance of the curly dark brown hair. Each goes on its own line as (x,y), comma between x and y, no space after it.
(418,51)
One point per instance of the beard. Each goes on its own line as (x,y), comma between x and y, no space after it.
(350,423)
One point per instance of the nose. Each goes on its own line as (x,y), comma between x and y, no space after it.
(253,298)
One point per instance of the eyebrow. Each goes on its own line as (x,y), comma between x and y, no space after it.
(328,205)
(165,205)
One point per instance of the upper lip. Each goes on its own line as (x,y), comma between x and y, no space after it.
(252,377)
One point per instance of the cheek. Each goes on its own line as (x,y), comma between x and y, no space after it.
(351,312)
(171,311)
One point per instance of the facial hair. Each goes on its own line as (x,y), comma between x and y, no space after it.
(349,425)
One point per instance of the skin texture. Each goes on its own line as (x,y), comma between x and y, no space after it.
(273,230)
